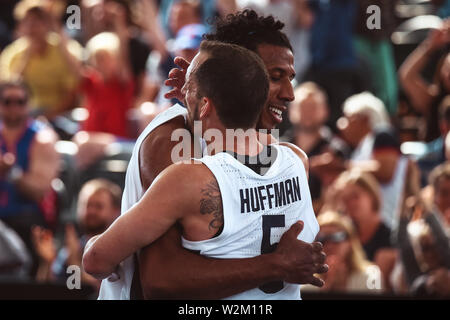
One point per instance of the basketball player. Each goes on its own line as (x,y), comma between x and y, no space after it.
(226,209)
(160,273)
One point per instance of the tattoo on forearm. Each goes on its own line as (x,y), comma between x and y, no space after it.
(211,203)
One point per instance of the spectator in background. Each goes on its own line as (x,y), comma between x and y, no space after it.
(187,28)
(208,9)
(377,151)
(298,19)
(426,97)
(98,206)
(349,269)
(102,16)
(14,257)
(153,31)
(366,127)
(363,114)
(435,150)
(424,247)
(359,197)
(28,164)
(440,183)
(39,58)
(137,24)
(308,114)
(107,86)
(375,48)
(119,19)
(301,37)
(334,64)
(187,41)
(185,45)
(135,36)
(434,279)
(183,13)
(398,175)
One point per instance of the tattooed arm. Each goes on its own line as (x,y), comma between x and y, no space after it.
(189,194)
(211,206)
(178,192)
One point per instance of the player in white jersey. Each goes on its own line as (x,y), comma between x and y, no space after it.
(160,273)
(138,227)
(118,287)
(258,207)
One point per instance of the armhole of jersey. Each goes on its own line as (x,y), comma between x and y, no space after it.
(148,133)
(212,167)
(294,154)
(313,225)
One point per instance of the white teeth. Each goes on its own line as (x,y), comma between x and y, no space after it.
(276,110)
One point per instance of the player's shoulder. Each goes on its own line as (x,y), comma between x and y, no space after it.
(161,136)
(166,129)
(190,169)
(188,176)
(299,152)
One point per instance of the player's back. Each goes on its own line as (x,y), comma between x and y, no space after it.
(258,207)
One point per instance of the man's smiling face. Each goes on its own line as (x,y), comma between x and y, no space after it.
(279,62)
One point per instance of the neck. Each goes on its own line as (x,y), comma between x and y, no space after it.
(244,142)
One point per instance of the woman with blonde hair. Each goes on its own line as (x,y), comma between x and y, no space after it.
(358,196)
(349,269)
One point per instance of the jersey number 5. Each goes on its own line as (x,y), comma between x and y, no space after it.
(269,222)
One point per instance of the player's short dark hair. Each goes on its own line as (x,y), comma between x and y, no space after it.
(249,30)
(236,81)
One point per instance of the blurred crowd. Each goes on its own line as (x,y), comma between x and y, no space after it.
(371,109)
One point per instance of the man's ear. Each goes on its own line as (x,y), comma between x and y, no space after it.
(206,107)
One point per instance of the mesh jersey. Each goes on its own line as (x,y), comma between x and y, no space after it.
(133,192)
(257,210)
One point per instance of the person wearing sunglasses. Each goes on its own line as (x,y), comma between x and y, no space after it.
(28,163)
(349,269)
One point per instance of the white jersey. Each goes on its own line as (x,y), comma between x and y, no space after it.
(257,210)
(133,192)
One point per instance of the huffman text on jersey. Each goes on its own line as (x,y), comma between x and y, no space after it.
(274,195)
